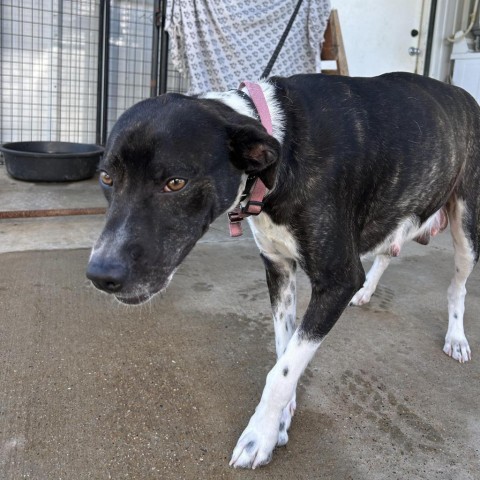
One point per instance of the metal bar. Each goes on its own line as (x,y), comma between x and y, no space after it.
(58,130)
(431,28)
(106,66)
(100,71)
(157,22)
(58,212)
(163,49)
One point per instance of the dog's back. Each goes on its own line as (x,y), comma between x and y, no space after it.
(387,139)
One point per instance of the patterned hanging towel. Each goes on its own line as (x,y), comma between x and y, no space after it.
(219,42)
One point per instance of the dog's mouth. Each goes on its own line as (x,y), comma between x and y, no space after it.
(134,299)
(144,295)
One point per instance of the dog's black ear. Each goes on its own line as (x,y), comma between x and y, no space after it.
(255,151)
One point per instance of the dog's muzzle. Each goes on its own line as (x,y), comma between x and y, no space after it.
(112,278)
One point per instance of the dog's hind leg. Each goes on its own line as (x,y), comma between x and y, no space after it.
(379,266)
(406,230)
(281,280)
(462,227)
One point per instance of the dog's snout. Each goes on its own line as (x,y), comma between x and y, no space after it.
(109,277)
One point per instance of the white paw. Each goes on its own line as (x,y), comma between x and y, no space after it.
(362,297)
(256,444)
(286,421)
(457,348)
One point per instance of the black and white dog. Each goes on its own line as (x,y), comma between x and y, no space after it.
(354,165)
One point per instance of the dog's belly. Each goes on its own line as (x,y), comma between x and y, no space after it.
(277,241)
(411,229)
(272,239)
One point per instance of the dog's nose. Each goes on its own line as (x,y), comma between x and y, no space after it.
(109,277)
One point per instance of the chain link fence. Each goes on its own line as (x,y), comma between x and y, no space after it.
(65,66)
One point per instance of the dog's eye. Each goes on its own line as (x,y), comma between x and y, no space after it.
(106,179)
(174,185)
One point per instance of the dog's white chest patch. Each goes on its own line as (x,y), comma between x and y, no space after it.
(273,239)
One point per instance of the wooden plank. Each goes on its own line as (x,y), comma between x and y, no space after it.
(59,212)
(333,48)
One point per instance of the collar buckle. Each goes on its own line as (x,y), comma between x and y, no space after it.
(256,190)
(253,207)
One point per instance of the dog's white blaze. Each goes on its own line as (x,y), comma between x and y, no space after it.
(258,440)
(456,344)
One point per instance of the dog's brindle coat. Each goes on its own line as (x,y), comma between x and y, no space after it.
(353,165)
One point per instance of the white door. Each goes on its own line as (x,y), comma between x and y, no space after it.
(383,35)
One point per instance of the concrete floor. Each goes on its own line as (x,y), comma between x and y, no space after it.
(90,389)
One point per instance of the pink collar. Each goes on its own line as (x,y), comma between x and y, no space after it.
(258,190)
(258,98)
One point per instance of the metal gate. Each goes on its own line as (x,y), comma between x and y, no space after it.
(69,68)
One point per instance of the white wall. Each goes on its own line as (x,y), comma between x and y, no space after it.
(371,48)
(377,34)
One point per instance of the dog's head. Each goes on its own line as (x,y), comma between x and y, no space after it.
(172,164)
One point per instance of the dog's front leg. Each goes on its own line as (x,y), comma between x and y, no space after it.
(256,444)
(281,280)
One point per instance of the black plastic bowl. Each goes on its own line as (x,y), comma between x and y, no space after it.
(51,161)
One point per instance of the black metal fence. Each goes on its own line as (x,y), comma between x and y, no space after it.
(69,68)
